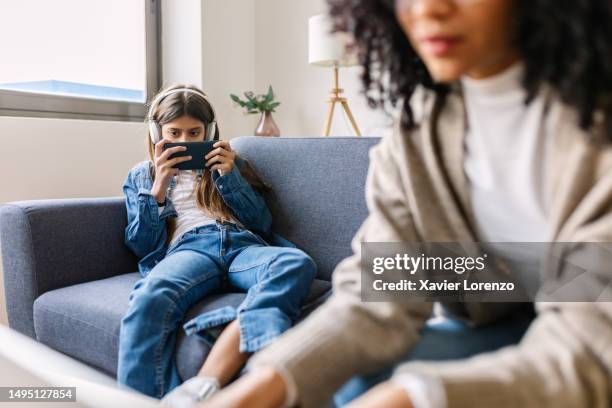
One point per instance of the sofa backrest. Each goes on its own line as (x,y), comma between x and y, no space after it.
(318,199)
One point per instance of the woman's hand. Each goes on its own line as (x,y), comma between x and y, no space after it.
(385,395)
(222,155)
(262,387)
(163,168)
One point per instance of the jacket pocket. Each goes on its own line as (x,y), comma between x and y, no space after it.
(257,237)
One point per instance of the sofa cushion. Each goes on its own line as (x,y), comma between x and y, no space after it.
(318,190)
(83,321)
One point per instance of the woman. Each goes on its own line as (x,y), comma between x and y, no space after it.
(196,233)
(504,135)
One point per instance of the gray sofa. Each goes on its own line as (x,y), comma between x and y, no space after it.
(68,274)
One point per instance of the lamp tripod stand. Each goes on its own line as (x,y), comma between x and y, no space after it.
(336,98)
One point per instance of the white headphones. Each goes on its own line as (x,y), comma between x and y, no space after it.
(155,128)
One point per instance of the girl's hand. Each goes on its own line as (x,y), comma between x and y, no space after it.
(163,168)
(222,155)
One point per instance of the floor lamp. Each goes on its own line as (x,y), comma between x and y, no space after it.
(329,50)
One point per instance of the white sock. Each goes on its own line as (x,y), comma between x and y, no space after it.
(190,392)
(208,387)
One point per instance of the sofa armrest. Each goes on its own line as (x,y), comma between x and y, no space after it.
(49,244)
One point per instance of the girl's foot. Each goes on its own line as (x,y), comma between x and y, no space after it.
(191,392)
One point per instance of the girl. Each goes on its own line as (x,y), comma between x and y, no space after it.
(504,136)
(195,233)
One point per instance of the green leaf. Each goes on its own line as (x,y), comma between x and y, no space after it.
(250,96)
(259,103)
(269,96)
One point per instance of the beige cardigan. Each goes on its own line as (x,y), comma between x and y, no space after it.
(416,190)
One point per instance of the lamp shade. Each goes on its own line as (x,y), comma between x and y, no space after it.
(326,49)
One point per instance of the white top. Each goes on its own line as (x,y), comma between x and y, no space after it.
(506,154)
(183,197)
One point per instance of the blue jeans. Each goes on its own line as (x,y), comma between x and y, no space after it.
(446,340)
(211,258)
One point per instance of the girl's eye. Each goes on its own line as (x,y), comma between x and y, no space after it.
(195,132)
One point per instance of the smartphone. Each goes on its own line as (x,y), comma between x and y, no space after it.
(197,151)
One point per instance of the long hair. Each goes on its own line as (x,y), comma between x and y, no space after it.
(207,197)
(564,43)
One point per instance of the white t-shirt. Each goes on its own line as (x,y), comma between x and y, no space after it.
(507,152)
(506,155)
(183,197)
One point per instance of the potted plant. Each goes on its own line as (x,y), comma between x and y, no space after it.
(263,104)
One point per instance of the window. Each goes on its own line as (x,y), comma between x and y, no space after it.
(90,59)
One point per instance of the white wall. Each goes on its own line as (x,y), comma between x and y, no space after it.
(66,158)
(228,44)
(282,61)
(211,44)
(250,44)
(182,41)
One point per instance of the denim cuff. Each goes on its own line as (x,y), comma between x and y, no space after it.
(168,210)
(208,325)
(150,204)
(153,208)
(230,182)
(258,327)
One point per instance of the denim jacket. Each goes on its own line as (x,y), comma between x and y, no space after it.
(146,231)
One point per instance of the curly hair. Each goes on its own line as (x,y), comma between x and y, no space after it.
(564,43)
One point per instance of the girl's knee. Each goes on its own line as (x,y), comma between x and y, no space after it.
(152,295)
(302,263)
